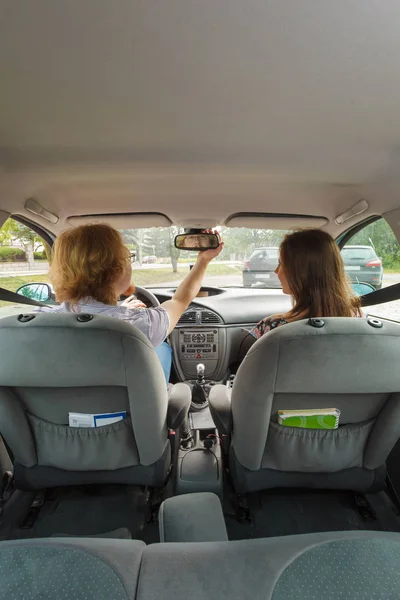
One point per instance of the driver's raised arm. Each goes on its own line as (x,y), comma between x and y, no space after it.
(189,287)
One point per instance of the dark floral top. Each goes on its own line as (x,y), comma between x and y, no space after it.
(268,324)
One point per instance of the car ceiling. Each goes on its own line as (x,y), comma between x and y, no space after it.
(200,109)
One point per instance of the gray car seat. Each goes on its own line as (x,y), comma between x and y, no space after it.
(348,364)
(346,565)
(56,364)
(66,569)
(326,566)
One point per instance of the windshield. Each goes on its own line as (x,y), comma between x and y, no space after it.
(249,258)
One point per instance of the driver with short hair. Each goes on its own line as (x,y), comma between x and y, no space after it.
(91,268)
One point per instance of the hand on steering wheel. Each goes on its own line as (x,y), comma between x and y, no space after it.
(133,302)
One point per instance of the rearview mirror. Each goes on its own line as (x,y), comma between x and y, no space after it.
(197,241)
(36,291)
(362,289)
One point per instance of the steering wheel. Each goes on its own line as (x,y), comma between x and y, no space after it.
(149,296)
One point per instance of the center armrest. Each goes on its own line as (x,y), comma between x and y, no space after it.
(192,518)
(220,407)
(179,398)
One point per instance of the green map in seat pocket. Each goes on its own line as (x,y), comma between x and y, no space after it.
(320,418)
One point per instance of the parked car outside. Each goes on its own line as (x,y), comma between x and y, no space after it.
(260,268)
(363,265)
(147,260)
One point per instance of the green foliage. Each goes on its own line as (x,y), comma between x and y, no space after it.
(157,241)
(10,254)
(41,255)
(14,231)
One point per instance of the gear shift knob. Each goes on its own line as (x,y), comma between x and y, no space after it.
(199,396)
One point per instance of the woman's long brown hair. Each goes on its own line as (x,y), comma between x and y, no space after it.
(315,273)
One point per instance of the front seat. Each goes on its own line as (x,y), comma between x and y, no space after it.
(344,363)
(52,365)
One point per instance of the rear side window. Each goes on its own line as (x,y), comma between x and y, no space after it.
(381,247)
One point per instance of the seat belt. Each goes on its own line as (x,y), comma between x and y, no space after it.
(8,296)
(382,296)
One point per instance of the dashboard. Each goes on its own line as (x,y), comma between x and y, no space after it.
(215,326)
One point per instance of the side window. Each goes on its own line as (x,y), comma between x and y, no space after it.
(373,256)
(24,258)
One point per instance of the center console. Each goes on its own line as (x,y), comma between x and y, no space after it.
(199,467)
(199,336)
(199,461)
(194,345)
(198,344)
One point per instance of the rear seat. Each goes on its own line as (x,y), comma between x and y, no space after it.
(70,569)
(355,564)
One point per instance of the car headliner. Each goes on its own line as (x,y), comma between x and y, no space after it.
(190,108)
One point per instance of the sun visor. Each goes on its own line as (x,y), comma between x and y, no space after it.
(34,207)
(274,221)
(123,221)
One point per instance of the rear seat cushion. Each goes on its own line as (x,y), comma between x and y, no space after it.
(275,568)
(66,569)
(344,565)
(346,569)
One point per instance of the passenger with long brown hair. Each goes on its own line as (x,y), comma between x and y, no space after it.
(311,270)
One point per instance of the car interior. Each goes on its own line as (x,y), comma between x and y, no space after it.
(166,120)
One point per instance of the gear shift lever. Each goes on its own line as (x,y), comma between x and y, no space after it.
(199,396)
(200,369)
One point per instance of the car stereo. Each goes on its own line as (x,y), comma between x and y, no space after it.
(199,344)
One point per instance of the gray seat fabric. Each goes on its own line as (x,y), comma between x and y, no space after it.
(285,568)
(56,364)
(344,565)
(365,568)
(347,364)
(192,518)
(65,569)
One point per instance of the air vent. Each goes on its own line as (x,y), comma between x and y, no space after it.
(209,317)
(188,317)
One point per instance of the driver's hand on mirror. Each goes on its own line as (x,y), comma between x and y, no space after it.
(133,302)
(208,255)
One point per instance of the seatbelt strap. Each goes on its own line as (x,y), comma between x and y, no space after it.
(382,296)
(8,296)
